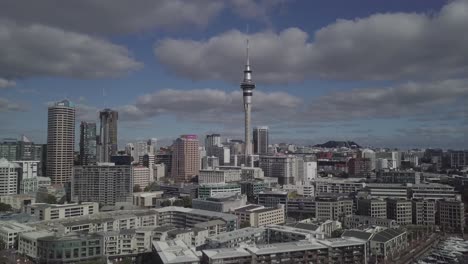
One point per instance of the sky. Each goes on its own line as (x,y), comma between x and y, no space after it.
(380,73)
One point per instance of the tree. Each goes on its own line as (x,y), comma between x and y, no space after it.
(165,203)
(179,203)
(136,188)
(244,224)
(50,199)
(337,233)
(5,207)
(187,202)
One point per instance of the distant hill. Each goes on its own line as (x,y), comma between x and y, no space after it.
(338,144)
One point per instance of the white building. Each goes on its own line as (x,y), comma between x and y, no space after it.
(8,177)
(32,185)
(221,202)
(159,171)
(146,199)
(18,201)
(381,164)
(60,211)
(9,232)
(304,189)
(370,154)
(141,176)
(219,176)
(27,242)
(28,168)
(258,216)
(282,167)
(310,170)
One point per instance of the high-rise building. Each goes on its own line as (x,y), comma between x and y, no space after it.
(185,158)
(424,212)
(104,183)
(87,143)
(60,142)
(260,140)
(213,140)
(8,177)
(247,87)
(108,136)
(282,167)
(152,146)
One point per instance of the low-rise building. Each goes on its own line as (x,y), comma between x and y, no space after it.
(32,185)
(424,212)
(69,249)
(433,191)
(141,176)
(400,210)
(303,189)
(174,252)
(248,235)
(9,232)
(388,242)
(221,202)
(387,190)
(147,199)
(219,176)
(258,216)
(18,201)
(372,207)
(451,215)
(27,242)
(208,190)
(399,176)
(339,185)
(364,221)
(45,211)
(273,198)
(253,188)
(333,208)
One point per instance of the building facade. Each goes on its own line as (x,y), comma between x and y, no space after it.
(60,142)
(88,144)
(108,134)
(9,172)
(400,210)
(185,158)
(260,140)
(104,183)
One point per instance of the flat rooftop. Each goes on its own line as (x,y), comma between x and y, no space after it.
(175,251)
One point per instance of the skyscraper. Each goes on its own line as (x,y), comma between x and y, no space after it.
(185,158)
(108,136)
(260,140)
(87,143)
(60,142)
(247,87)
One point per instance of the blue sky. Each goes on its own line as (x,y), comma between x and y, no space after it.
(381,73)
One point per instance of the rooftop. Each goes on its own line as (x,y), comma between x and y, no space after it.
(226,253)
(387,235)
(239,233)
(175,251)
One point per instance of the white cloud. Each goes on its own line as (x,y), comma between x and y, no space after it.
(8,106)
(37,50)
(4,83)
(209,105)
(393,46)
(113,16)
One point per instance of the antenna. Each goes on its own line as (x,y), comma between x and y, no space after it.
(247,45)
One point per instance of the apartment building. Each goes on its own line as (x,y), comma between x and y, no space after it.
(400,210)
(364,221)
(424,212)
(333,208)
(372,207)
(209,190)
(451,215)
(258,216)
(46,212)
(219,176)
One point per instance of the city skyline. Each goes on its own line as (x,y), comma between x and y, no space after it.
(310,86)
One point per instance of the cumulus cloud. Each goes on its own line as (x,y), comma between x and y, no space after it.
(9,106)
(38,50)
(406,100)
(113,16)
(209,105)
(4,83)
(392,46)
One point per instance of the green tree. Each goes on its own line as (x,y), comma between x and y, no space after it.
(244,224)
(187,202)
(178,203)
(5,207)
(165,203)
(50,199)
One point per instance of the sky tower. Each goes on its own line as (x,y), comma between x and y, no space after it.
(247,87)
